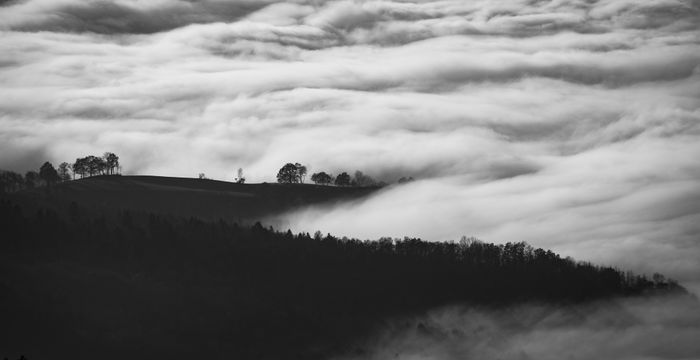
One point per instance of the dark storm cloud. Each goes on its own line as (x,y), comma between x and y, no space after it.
(570,124)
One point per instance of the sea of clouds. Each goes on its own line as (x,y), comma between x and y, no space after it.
(633,329)
(571,124)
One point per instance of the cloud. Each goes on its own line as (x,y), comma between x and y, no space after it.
(656,329)
(610,204)
(651,14)
(125,16)
(572,125)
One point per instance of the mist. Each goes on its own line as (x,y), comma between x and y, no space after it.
(600,206)
(655,328)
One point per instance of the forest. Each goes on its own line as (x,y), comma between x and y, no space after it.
(85,285)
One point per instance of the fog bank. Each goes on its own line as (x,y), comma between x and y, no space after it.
(633,329)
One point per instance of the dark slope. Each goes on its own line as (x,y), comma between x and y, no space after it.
(205,199)
(145,286)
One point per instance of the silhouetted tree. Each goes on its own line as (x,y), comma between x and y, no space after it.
(343,179)
(80,167)
(291,173)
(49,174)
(11,181)
(90,165)
(96,165)
(5,182)
(64,171)
(361,179)
(111,162)
(301,172)
(31,179)
(201,176)
(322,178)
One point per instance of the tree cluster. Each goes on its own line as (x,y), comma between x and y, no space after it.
(358,180)
(186,288)
(11,181)
(92,165)
(46,176)
(344,179)
(294,173)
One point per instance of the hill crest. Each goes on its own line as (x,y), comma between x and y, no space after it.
(201,198)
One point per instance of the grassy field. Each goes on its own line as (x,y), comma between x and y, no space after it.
(201,198)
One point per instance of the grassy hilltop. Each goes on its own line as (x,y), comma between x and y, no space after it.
(200,198)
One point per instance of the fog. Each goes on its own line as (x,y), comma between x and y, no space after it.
(594,206)
(573,125)
(659,329)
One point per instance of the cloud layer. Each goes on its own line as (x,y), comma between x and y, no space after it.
(570,124)
(654,329)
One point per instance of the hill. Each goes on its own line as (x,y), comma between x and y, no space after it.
(201,198)
(83,286)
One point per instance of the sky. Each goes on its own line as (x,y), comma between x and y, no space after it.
(573,125)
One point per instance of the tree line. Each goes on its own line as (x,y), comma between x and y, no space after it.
(108,164)
(237,290)
(48,175)
(92,165)
(295,173)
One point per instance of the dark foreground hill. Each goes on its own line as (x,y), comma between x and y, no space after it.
(201,198)
(135,285)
